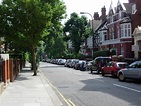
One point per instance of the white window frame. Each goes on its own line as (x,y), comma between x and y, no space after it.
(122,51)
(134,9)
(120,15)
(126,30)
(104,34)
(118,31)
(111,19)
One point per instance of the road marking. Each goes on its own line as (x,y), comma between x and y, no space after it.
(127,88)
(99,80)
(96,79)
(70,103)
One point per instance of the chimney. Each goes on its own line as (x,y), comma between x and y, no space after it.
(103,16)
(96,16)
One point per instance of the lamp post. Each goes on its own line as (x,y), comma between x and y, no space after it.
(93,38)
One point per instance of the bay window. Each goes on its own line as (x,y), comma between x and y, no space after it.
(125,30)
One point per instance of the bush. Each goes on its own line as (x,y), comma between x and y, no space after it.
(104,53)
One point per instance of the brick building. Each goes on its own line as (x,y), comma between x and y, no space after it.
(116,32)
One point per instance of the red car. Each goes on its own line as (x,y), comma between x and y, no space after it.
(113,68)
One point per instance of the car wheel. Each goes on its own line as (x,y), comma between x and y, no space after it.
(121,77)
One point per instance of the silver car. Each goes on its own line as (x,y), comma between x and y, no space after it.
(132,72)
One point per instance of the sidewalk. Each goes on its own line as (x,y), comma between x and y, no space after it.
(28,90)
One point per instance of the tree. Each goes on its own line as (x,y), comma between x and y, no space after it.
(78,30)
(26,22)
(55,46)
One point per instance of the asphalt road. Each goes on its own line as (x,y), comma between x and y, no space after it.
(81,88)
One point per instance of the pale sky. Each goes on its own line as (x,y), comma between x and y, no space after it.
(89,6)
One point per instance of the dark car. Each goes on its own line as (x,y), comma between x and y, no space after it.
(67,62)
(98,63)
(83,66)
(77,64)
(74,62)
(132,72)
(113,67)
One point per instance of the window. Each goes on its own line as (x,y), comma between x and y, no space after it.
(134,9)
(122,31)
(112,19)
(122,51)
(139,65)
(104,33)
(126,30)
(129,29)
(118,30)
(120,15)
(110,34)
(113,35)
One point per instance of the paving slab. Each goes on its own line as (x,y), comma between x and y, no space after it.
(28,90)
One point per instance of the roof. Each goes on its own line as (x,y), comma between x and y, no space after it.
(100,25)
(128,7)
(126,20)
(96,23)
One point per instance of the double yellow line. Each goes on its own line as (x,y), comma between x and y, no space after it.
(68,101)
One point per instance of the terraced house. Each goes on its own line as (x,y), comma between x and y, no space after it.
(116,33)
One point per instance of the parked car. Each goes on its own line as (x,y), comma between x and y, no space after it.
(74,62)
(77,64)
(88,65)
(98,63)
(132,72)
(113,67)
(61,61)
(67,62)
(83,66)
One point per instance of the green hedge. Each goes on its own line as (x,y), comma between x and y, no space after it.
(104,53)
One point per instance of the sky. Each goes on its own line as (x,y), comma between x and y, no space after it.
(89,6)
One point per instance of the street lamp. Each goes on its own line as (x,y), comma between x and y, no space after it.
(93,38)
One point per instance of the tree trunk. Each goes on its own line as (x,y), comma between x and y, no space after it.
(34,61)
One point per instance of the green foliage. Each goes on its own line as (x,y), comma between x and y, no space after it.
(77,28)
(70,56)
(55,47)
(104,53)
(25,22)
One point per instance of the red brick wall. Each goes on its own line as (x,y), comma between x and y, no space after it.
(136,18)
(6,73)
(11,70)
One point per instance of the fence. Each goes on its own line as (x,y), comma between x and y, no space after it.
(1,71)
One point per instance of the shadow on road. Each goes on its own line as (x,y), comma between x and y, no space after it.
(96,85)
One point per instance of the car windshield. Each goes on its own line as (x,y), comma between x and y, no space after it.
(122,65)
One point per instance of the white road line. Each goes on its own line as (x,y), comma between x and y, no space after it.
(127,88)
(96,79)
(99,80)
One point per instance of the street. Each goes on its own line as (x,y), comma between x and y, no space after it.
(81,88)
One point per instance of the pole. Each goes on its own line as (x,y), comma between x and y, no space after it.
(93,38)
